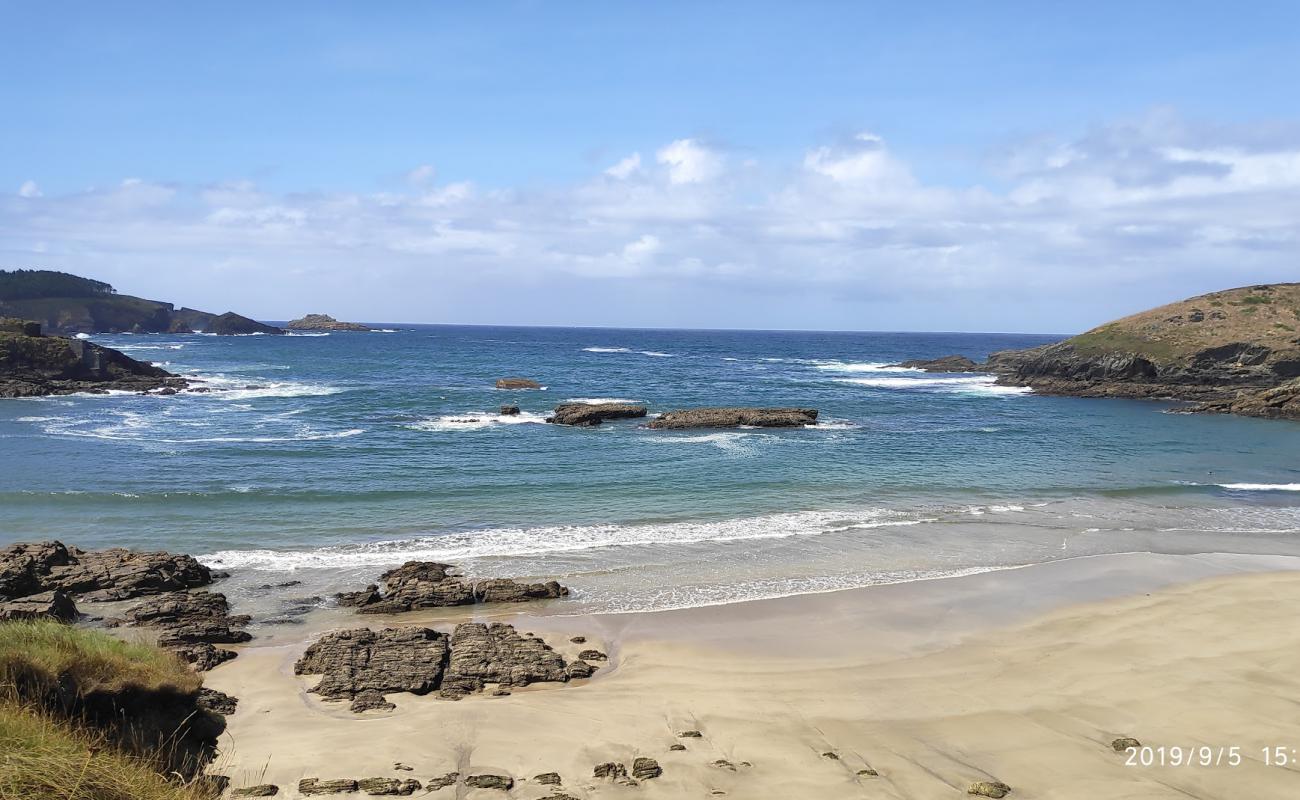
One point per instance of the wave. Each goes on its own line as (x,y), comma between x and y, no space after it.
(82,336)
(497,542)
(592,401)
(656,354)
(383,330)
(133,427)
(226,388)
(131,348)
(606,350)
(737,442)
(474,421)
(312,335)
(865,366)
(1260,487)
(975,385)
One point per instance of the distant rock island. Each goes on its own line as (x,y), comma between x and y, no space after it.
(323,322)
(1236,351)
(69,304)
(32,364)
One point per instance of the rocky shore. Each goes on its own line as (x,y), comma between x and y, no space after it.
(33,364)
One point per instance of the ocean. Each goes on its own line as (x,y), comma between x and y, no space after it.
(327,458)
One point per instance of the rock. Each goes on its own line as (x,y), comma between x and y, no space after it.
(690,735)
(643,769)
(116,574)
(323,322)
(586,415)
(310,786)
(388,786)
(1280,402)
(517,383)
(548,778)
(677,747)
(1123,743)
(428,584)
(370,700)
(510,410)
(434,784)
(580,669)
(353,662)
(32,365)
(54,605)
(503,783)
(217,702)
(404,768)
(260,790)
(943,364)
(202,656)
(868,773)
(190,618)
(831,755)
(496,653)
(989,789)
(232,324)
(592,655)
(735,418)
(579,639)
(610,770)
(723,763)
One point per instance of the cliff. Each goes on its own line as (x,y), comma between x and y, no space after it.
(32,364)
(1214,348)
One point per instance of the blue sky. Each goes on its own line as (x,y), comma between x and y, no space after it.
(978,166)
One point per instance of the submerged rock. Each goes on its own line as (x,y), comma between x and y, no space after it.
(509,410)
(586,415)
(726,417)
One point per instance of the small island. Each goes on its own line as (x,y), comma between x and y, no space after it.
(323,322)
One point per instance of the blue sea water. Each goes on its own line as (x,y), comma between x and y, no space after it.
(330,457)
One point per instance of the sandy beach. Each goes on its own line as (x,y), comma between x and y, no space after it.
(1022,676)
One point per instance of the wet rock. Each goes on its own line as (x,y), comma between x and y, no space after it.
(690,735)
(311,786)
(217,702)
(388,786)
(943,364)
(548,778)
(643,769)
(502,783)
(735,418)
(428,584)
(592,655)
(580,669)
(366,596)
(510,410)
(260,790)
(504,590)
(677,747)
(496,653)
(989,789)
(202,656)
(54,605)
(370,701)
(351,662)
(189,618)
(434,784)
(517,383)
(587,415)
(1123,743)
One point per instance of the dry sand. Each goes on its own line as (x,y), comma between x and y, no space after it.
(1023,676)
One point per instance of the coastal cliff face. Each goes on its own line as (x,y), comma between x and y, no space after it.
(1219,348)
(32,365)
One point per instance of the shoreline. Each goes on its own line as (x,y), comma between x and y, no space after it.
(896,678)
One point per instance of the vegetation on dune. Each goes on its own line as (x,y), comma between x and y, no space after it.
(28,284)
(85,716)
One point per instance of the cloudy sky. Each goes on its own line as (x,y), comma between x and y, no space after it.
(864,166)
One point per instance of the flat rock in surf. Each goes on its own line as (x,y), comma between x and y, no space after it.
(517,383)
(428,584)
(586,415)
(942,364)
(735,418)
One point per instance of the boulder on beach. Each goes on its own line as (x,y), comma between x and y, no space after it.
(54,605)
(429,584)
(586,415)
(727,417)
(28,568)
(517,383)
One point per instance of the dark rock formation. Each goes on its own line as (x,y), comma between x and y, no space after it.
(54,605)
(36,365)
(311,786)
(592,655)
(202,656)
(580,669)
(232,324)
(388,786)
(496,653)
(510,410)
(116,574)
(190,618)
(942,364)
(323,322)
(586,415)
(548,778)
(1123,743)
(677,747)
(217,702)
(517,383)
(690,735)
(260,790)
(643,769)
(356,662)
(370,700)
(502,783)
(428,584)
(610,770)
(989,789)
(1280,402)
(434,784)
(735,418)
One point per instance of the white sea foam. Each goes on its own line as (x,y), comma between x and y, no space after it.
(226,388)
(606,350)
(1261,487)
(592,401)
(980,511)
(737,442)
(82,336)
(383,330)
(656,354)
(295,333)
(145,428)
(865,366)
(975,385)
(497,542)
(474,421)
(131,348)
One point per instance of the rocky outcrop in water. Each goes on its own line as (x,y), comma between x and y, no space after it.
(362,665)
(735,418)
(943,364)
(232,324)
(517,383)
(586,415)
(1280,402)
(428,584)
(323,322)
(33,365)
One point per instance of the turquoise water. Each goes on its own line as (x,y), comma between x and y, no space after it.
(354,451)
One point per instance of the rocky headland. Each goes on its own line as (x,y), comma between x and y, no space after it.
(735,418)
(33,365)
(323,322)
(232,324)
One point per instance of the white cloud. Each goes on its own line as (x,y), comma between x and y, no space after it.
(688,161)
(29,189)
(626,167)
(422,175)
(862,160)
(642,250)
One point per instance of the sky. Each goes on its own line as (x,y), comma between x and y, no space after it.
(995,166)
